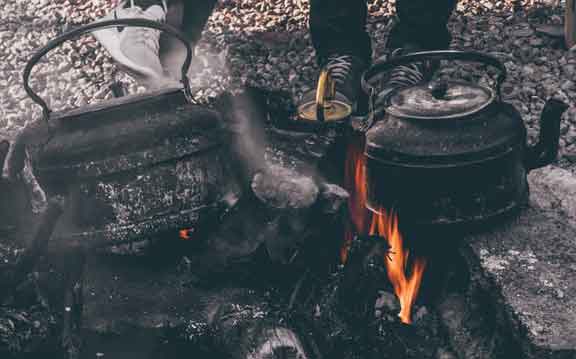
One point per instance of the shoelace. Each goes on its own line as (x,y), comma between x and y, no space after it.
(339,67)
(405,75)
(399,77)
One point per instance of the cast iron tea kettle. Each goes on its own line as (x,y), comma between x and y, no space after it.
(131,167)
(451,152)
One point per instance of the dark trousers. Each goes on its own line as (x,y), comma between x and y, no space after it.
(339,26)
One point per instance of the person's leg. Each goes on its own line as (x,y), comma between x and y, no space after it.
(144,4)
(195,17)
(339,27)
(422,24)
(136,48)
(342,45)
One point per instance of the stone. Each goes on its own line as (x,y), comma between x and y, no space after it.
(281,188)
(387,301)
(522,295)
(554,188)
(333,197)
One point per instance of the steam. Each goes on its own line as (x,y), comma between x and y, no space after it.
(247,122)
(209,73)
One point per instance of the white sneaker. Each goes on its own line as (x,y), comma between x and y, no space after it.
(136,49)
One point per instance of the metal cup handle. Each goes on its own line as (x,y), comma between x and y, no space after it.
(101,25)
(325,91)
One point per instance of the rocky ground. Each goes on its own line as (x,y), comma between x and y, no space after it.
(265,43)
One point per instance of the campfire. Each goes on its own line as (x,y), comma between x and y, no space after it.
(231,222)
(404,271)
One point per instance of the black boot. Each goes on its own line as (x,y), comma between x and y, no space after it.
(346,72)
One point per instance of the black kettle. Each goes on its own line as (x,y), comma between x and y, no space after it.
(451,152)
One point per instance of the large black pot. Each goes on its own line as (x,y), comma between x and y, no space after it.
(451,152)
(130,167)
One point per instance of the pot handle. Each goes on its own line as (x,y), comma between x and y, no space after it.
(102,25)
(453,55)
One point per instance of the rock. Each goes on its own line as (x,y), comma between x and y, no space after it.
(333,197)
(443,353)
(281,188)
(245,327)
(523,32)
(523,268)
(536,42)
(553,188)
(387,301)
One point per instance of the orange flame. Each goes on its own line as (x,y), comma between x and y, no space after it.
(384,224)
(406,287)
(355,174)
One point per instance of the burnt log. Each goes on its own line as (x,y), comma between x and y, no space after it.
(363,275)
(355,312)
(27,321)
(255,238)
(300,204)
(246,327)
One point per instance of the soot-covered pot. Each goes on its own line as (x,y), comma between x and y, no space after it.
(452,152)
(130,167)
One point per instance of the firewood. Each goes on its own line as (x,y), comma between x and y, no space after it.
(363,276)
(247,328)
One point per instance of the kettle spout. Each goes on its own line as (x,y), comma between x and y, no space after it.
(546,150)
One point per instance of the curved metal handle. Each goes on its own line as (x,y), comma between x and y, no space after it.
(325,89)
(101,25)
(454,55)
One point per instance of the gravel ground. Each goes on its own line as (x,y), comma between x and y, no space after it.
(265,43)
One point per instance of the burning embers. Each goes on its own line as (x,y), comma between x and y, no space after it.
(404,272)
(185,234)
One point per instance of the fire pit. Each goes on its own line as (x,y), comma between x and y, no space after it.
(268,276)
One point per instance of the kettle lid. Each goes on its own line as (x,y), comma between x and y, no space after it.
(439,100)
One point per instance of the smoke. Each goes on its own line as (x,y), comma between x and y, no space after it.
(208,74)
(247,120)
(243,109)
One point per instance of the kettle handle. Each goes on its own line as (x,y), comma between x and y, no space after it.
(453,55)
(101,25)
